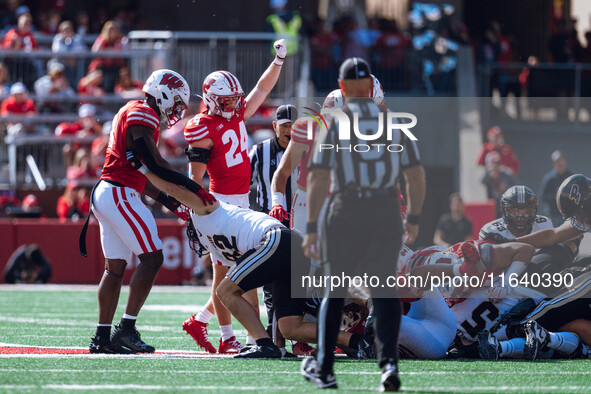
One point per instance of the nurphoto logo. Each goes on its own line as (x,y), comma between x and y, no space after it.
(364,130)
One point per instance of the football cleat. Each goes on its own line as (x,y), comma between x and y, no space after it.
(488,346)
(390,380)
(260,352)
(130,339)
(230,345)
(102,345)
(311,372)
(536,337)
(303,349)
(198,331)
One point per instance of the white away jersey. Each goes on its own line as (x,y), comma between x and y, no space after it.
(230,231)
(478,313)
(499,226)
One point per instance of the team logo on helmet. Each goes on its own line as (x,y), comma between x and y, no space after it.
(575,194)
(172,81)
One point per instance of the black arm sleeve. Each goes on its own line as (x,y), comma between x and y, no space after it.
(168,175)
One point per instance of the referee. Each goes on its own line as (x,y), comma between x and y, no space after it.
(363,222)
(265,158)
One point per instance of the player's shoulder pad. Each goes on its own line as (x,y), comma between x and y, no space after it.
(494,226)
(198,128)
(140,113)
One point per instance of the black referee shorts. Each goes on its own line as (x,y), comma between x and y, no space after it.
(363,237)
(270,262)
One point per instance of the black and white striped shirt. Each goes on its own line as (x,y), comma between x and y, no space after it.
(264,160)
(359,163)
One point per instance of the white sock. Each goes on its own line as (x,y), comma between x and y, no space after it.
(103,325)
(564,342)
(126,316)
(250,340)
(512,348)
(227,332)
(283,351)
(204,316)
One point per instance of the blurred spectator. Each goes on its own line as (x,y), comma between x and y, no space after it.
(29,209)
(21,38)
(91,84)
(4,81)
(53,90)
(496,143)
(65,42)
(391,47)
(83,23)
(83,127)
(98,149)
(564,45)
(9,18)
(27,265)
(550,183)
(83,167)
(496,179)
(74,203)
(453,227)
(127,87)
(322,60)
(6,203)
(110,38)
(18,104)
(350,40)
(285,23)
(51,23)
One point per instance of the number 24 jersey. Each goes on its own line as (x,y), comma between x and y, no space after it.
(229,164)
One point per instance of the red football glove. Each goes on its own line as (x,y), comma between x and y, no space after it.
(183,213)
(471,259)
(279,213)
(205,197)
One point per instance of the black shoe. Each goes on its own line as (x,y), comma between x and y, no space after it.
(130,339)
(289,355)
(311,372)
(488,346)
(102,345)
(245,349)
(390,380)
(260,352)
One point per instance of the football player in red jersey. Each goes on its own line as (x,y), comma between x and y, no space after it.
(126,224)
(217,141)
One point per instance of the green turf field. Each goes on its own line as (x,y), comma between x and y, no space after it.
(53,316)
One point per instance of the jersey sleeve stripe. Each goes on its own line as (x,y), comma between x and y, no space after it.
(195,137)
(137,119)
(146,115)
(195,132)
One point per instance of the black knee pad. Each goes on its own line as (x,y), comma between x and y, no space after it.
(116,270)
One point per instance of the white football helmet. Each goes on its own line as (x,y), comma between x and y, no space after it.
(171,92)
(222,84)
(378,92)
(334,99)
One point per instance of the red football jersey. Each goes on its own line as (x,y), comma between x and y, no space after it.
(299,133)
(229,164)
(117,168)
